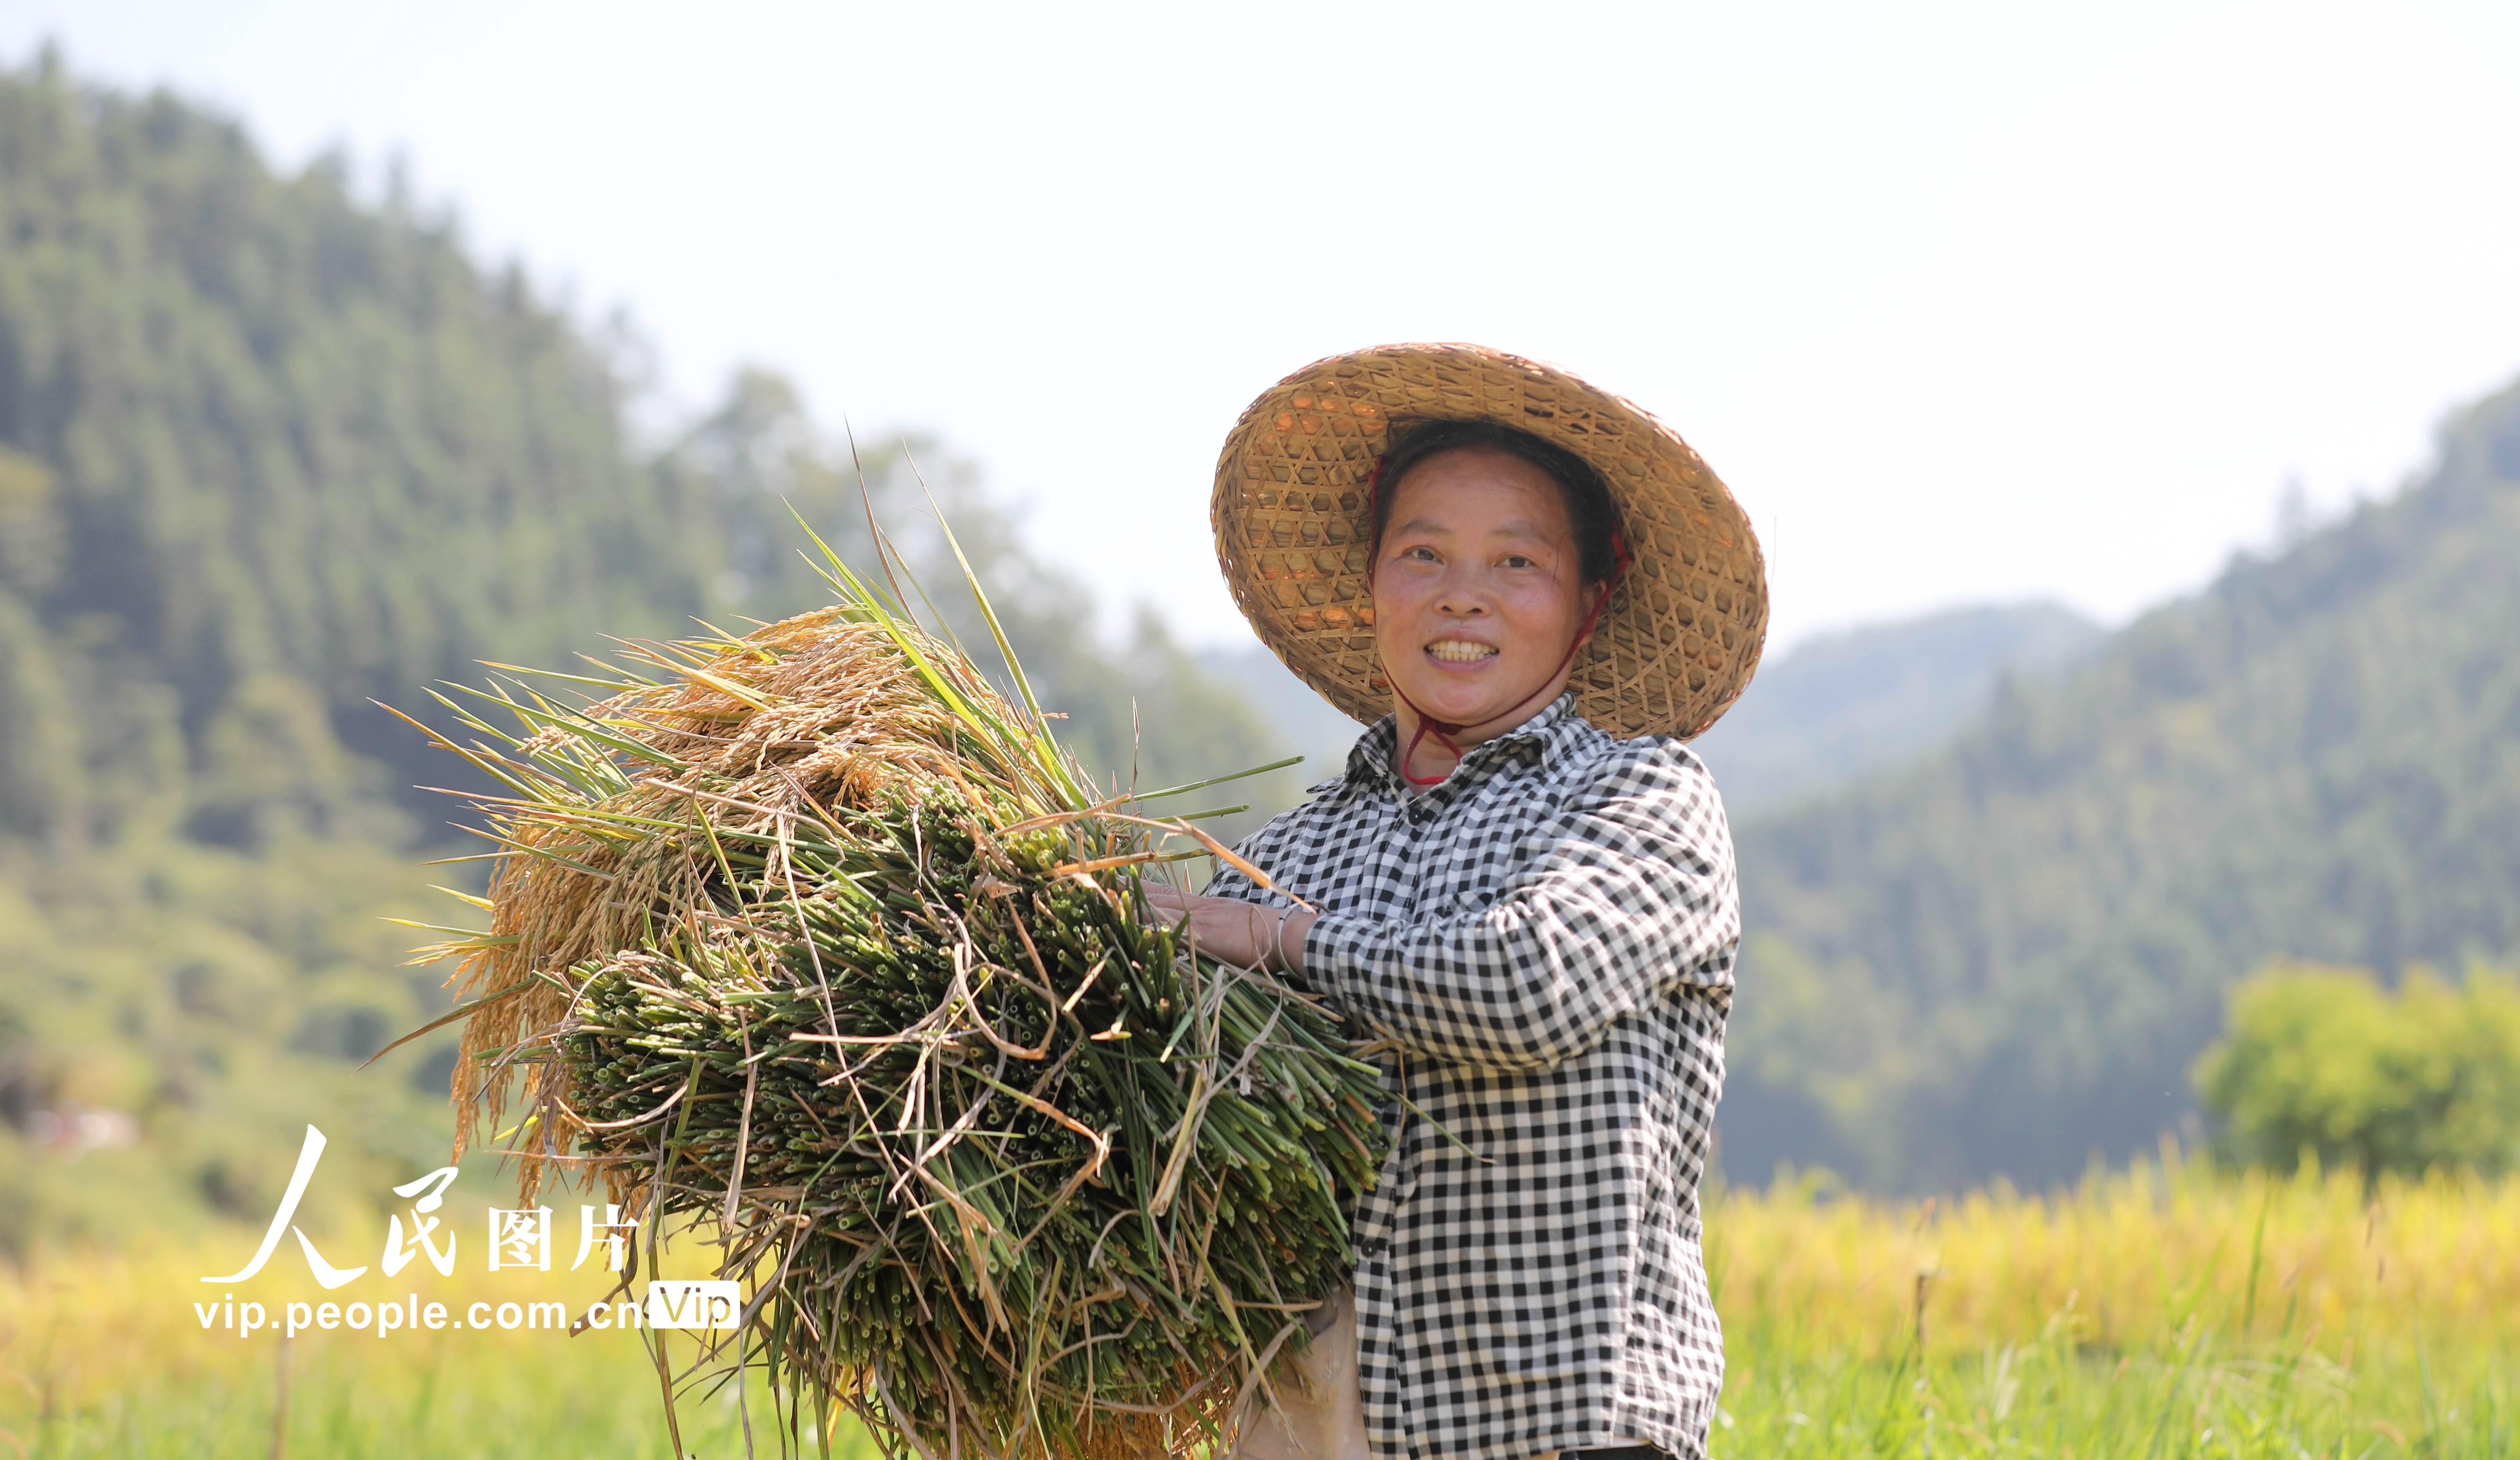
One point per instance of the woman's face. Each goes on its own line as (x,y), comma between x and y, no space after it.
(1479,590)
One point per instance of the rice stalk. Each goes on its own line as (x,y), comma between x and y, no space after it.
(812,941)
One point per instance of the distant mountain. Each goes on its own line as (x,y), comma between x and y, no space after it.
(1844,704)
(2003,956)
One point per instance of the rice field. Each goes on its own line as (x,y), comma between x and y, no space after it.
(2166,1311)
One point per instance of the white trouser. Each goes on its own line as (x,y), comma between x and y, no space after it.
(1320,1414)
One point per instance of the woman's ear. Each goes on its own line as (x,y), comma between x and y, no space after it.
(1596,597)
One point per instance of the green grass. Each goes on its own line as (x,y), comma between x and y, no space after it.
(2051,1397)
(590,1396)
(596,1396)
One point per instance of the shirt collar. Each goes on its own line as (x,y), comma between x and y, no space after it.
(1548,734)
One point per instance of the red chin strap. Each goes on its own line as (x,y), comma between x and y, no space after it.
(1445,730)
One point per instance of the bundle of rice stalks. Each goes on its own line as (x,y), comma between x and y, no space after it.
(812,939)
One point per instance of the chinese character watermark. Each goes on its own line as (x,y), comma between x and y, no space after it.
(399,1251)
(325,1272)
(518,1238)
(613,1227)
(521,1238)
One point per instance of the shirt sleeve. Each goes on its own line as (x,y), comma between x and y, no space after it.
(1626,894)
(1228,882)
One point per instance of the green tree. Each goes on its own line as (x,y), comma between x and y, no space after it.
(2324,1062)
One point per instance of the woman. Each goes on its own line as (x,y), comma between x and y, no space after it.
(1521,887)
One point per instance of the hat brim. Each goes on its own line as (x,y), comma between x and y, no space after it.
(1681,636)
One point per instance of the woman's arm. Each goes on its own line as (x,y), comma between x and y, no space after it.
(1628,893)
(1255,934)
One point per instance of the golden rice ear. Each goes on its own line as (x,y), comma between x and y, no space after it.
(1291,513)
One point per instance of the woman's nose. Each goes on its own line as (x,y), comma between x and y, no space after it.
(1461,594)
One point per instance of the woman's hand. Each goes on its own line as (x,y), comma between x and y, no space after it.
(1232,930)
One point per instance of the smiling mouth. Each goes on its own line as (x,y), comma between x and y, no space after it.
(1460,651)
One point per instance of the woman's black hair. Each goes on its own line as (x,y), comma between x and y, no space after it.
(1590,512)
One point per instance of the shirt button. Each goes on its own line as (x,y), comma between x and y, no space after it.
(1373,1248)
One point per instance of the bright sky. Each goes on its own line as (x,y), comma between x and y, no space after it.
(1966,301)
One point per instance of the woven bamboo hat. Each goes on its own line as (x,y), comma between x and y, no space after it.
(1292,512)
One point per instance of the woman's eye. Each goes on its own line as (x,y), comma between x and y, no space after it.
(1420,555)
(1516,560)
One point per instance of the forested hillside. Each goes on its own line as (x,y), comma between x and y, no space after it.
(268,452)
(1843,703)
(2005,957)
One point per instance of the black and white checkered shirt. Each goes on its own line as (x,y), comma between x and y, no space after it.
(1546,940)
